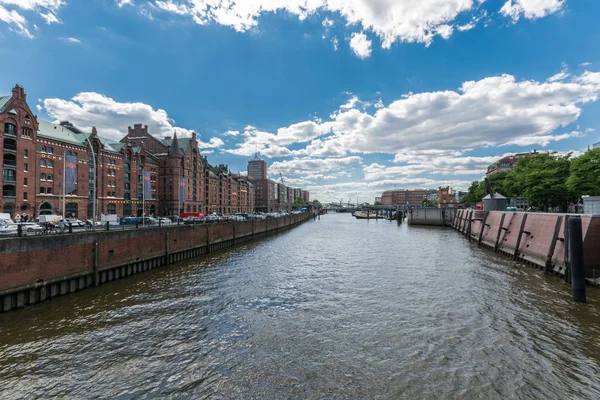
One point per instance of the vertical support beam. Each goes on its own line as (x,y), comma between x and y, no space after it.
(499,231)
(567,259)
(553,245)
(485,216)
(95,265)
(521,228)
(166,248)
(576,253)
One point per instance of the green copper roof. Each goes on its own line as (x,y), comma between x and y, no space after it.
(4,101)
(58,132)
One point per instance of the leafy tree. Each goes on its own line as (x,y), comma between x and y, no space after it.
(542,180)
(584,178)
(475,193)
(429,203)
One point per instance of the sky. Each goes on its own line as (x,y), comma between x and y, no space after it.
(344,98)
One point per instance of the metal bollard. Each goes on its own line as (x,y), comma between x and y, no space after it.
(107,225)
(19,230)
(137,224)
(159,223)
(70,227)
(576,258)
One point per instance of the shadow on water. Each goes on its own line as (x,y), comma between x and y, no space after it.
(335,308)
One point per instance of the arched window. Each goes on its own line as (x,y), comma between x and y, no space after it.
(111,208)
(46,209)
(50,164)
(49,177)
(43,149)
(24,181)
(42,163)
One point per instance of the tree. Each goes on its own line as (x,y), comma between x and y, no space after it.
(542,180)
(584,178)
(429,203)
(475,193)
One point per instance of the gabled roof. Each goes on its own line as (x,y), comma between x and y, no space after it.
(4,101)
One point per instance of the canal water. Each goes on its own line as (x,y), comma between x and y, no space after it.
(337,308)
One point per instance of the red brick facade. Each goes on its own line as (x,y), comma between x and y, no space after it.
(33,157)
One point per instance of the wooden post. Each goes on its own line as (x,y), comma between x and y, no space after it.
(95,266)
(499,231)
(553,245)
(482,227)
(516,253)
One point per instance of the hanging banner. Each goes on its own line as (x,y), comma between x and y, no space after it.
(147,186)
(70,173)
(182,190)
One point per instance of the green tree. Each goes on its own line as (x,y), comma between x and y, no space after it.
(475,193)
(584,178)
(429,203)
(542,180)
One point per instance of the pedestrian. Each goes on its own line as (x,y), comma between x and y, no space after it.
(18,218)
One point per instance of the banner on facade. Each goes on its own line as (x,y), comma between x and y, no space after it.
(182,190)
(147,186)
(70,173)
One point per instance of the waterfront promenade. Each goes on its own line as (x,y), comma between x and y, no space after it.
(335,308)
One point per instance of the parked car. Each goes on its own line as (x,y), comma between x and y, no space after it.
(212,218)
(164,221)
(175,219)
(147,221)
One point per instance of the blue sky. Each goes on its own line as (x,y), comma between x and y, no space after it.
(345,98)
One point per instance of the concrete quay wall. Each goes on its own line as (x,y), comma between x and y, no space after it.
(537,238)
(37,268)
(431,216)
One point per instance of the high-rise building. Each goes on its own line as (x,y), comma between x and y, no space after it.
(257,169)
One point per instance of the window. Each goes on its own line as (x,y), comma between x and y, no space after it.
(50,164)
(25,167)
(24,181)
(111,208)
(42,177)
(10,129)
(43,149)
(49,190)
(49,177)
(25,153)
(43,190)
(50,150)
(42,163)
(26,132)
(25,195)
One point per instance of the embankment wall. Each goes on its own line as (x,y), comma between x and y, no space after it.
(37,268)
(537,238)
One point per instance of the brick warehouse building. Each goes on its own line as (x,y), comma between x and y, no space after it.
(33,155)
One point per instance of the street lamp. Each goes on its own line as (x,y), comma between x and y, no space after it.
(93,184)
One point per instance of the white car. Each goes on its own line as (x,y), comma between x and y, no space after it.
(164,221)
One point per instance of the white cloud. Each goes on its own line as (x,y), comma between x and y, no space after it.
(392,21)
(122,3)
(336,43)
(47,9)
(350,104)
(585,64)
(466,27)
(213,143)
(531,9)
(111,117)
(14,18)
(543,140)
(71,40)
(50,18)
(361,45)
(231,133)
(561,76)
(307,165)
(488,112)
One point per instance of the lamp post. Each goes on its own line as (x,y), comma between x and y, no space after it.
(93,184)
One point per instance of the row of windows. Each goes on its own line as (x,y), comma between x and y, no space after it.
(111,184)
(46,190)
(45,177)
(111,172)
(48,150)
(46,163)
(111,162)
